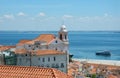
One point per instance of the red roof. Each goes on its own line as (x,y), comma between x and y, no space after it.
(45,37)
(48,38)
(39,52)
(3,48)
(48,52)
(30,72)
(21,42)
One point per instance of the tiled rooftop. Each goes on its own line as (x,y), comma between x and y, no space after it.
(46,37)
(20,51)
(49,52)
(39,52)
(3,48)
(21,42)
(30,72)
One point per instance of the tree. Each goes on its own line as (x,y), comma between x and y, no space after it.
(93,75)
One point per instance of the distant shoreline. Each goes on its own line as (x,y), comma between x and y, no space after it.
(105,62)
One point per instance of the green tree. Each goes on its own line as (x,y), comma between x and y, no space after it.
(94,76)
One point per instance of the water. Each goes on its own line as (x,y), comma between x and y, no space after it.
(83,44)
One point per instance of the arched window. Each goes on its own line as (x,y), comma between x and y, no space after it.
(60,36)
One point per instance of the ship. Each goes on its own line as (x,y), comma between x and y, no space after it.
(103,53)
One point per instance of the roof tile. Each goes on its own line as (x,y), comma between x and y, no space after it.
(30,72)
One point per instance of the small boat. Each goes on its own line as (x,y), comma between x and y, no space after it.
(104,53)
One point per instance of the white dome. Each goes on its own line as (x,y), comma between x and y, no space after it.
(63,28)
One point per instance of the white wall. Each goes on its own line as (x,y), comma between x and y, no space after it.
(38,61)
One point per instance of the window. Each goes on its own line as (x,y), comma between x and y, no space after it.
(53,65)
(57,66)
(38,58)
(54,59)
(42,65)
(29,45)
(62,65)
(43,59)
(56,41)
(48,59)
(65,37)
(27,59)
(47,65)
(37,46)
(60,36)
(47,47)
(20,60)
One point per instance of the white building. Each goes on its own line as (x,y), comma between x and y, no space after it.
(46,50)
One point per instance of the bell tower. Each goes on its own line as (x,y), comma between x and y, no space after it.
(63,33)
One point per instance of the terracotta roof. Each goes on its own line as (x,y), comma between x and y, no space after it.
(45,37)
(48,38)
(39,52)
(30,72)
(3,48)
(112,76)
(21,42)
(20,51)
(49,52)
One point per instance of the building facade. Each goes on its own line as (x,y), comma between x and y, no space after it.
(7,55)
(47,50)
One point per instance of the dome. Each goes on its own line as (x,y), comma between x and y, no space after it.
(63,28)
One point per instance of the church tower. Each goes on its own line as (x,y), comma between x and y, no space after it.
(63,34)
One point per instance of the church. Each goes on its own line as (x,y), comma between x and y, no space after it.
(47,50)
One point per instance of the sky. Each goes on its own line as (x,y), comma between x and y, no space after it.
(49,15)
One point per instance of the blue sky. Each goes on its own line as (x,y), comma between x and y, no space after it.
(43,15)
